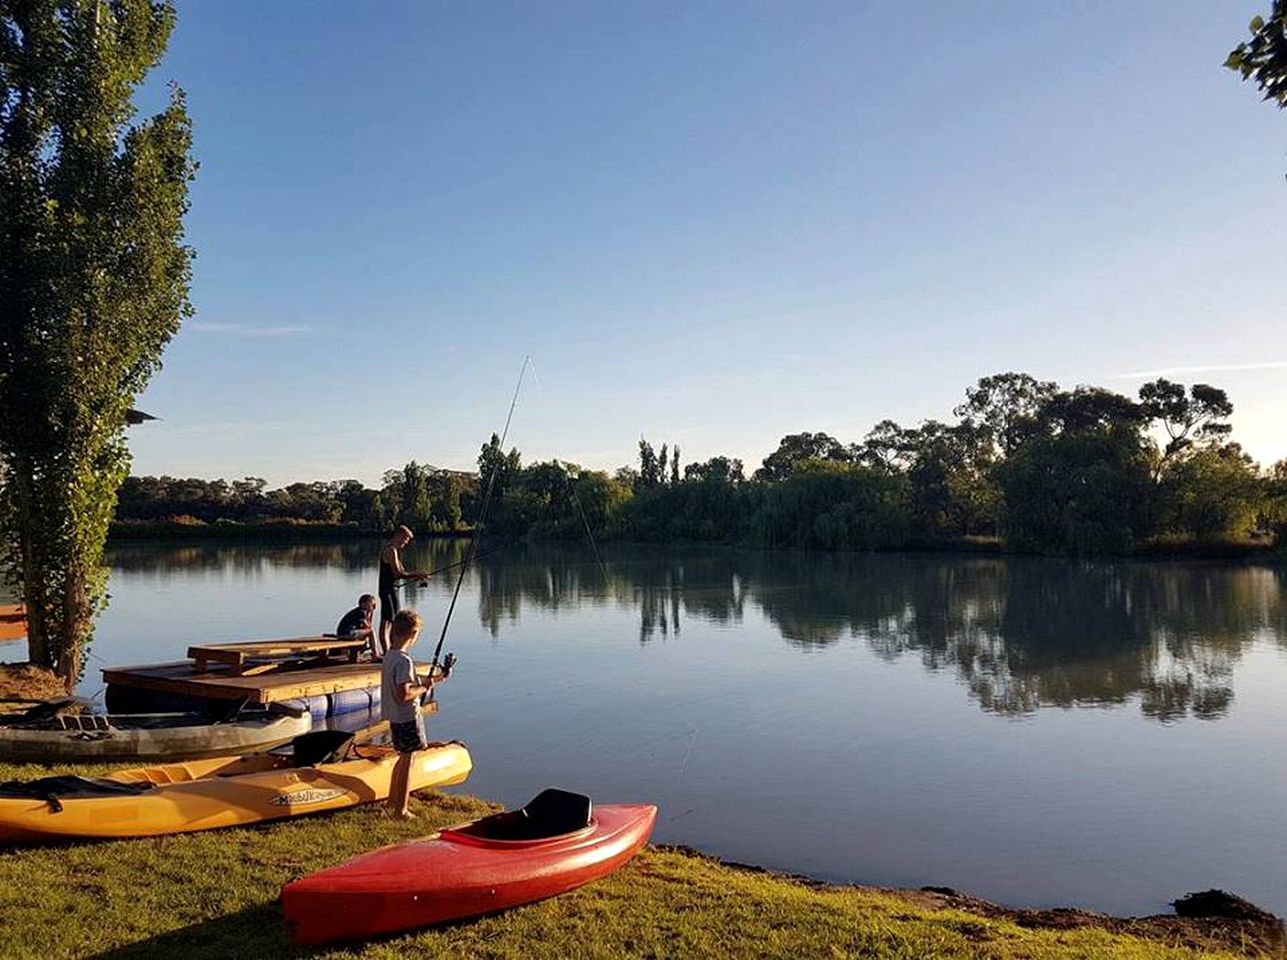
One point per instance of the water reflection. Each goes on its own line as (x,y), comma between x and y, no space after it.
(1020,634)
(240,557)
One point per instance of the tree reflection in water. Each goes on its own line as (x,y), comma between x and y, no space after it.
(1020,633)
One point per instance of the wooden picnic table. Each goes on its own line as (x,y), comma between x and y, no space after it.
(261,656)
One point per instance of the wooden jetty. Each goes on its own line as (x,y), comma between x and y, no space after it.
(13,622)
(259,671)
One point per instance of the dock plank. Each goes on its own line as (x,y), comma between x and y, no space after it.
(220,683)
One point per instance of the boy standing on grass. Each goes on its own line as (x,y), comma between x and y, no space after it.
(400,692)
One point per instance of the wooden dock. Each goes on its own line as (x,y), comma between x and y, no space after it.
(247,671)
(13,622)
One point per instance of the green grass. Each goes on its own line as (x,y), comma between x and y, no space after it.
(214,894)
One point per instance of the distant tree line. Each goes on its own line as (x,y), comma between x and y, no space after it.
(425,498)
(1024,463)
(1027,464)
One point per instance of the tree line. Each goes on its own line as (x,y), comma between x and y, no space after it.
(422,497)
(1040,469)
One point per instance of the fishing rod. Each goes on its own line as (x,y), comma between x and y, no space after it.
(419,581)
(482,516)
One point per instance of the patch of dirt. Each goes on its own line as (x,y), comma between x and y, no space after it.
(21,682)
(1210,920)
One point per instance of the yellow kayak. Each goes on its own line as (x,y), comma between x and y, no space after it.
(319,771)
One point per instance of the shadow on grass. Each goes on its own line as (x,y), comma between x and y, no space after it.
(258,931)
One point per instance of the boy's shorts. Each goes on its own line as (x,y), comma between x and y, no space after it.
(410,736)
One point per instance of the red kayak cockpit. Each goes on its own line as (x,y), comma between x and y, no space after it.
(551,814)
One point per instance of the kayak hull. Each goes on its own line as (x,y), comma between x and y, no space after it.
(452,875)
(126,738)
(209,794)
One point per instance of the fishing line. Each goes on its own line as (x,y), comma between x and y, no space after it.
(588,532)
(482,515)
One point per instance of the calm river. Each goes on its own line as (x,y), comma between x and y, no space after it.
(1037,732)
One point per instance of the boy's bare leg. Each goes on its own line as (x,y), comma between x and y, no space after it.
(399,789)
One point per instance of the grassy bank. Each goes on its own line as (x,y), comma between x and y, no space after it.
(273,531)
(214,895)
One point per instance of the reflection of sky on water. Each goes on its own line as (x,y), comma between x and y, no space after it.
(890,719)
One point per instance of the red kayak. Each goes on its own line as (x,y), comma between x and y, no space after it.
(554,844)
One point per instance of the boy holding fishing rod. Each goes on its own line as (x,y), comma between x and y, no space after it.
(400,692)
(391,573)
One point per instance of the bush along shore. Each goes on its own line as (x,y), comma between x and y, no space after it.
(214,894)
(1025,465)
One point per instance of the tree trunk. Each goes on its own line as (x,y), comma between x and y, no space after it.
(39,650)
(75,626)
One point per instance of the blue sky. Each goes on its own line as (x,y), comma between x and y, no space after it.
(709,223)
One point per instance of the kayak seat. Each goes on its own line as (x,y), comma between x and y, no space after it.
(53,790)
(550,813)
(319,746)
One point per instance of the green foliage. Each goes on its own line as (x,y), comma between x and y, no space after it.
(798,448)
(1263,58)
(827,505)
(950,488)
(719,469)
(423,498)
(702,508)
(651,470)
(1004,407)
(557,501)
(93,284)
(1055,471)
(1214,493)
(1199,415)
(1083,492)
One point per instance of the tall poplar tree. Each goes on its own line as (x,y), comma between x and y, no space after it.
(93,284)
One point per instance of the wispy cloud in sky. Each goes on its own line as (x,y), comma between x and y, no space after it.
(235,427)
(248,330)
(1205,368)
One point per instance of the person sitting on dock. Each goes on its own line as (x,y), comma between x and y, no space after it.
(356,624)
(391,573)
(400,692)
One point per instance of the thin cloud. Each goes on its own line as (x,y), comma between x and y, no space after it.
(1205,368)
(231,426)
(248,330)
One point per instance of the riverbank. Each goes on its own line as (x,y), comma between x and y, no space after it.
(215,895)
(271,530)
(188,530)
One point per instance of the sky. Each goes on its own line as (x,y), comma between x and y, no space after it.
(710,224)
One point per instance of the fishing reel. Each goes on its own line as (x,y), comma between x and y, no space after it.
(448,662)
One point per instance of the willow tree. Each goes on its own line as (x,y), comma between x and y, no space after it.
(93,284)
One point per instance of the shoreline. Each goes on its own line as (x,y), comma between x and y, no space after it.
(1214,917)
(133,534)
(220,888)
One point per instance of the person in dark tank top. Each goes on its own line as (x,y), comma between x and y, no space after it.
(392,572)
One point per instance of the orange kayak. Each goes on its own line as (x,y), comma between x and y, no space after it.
(320,771)
(13,621)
